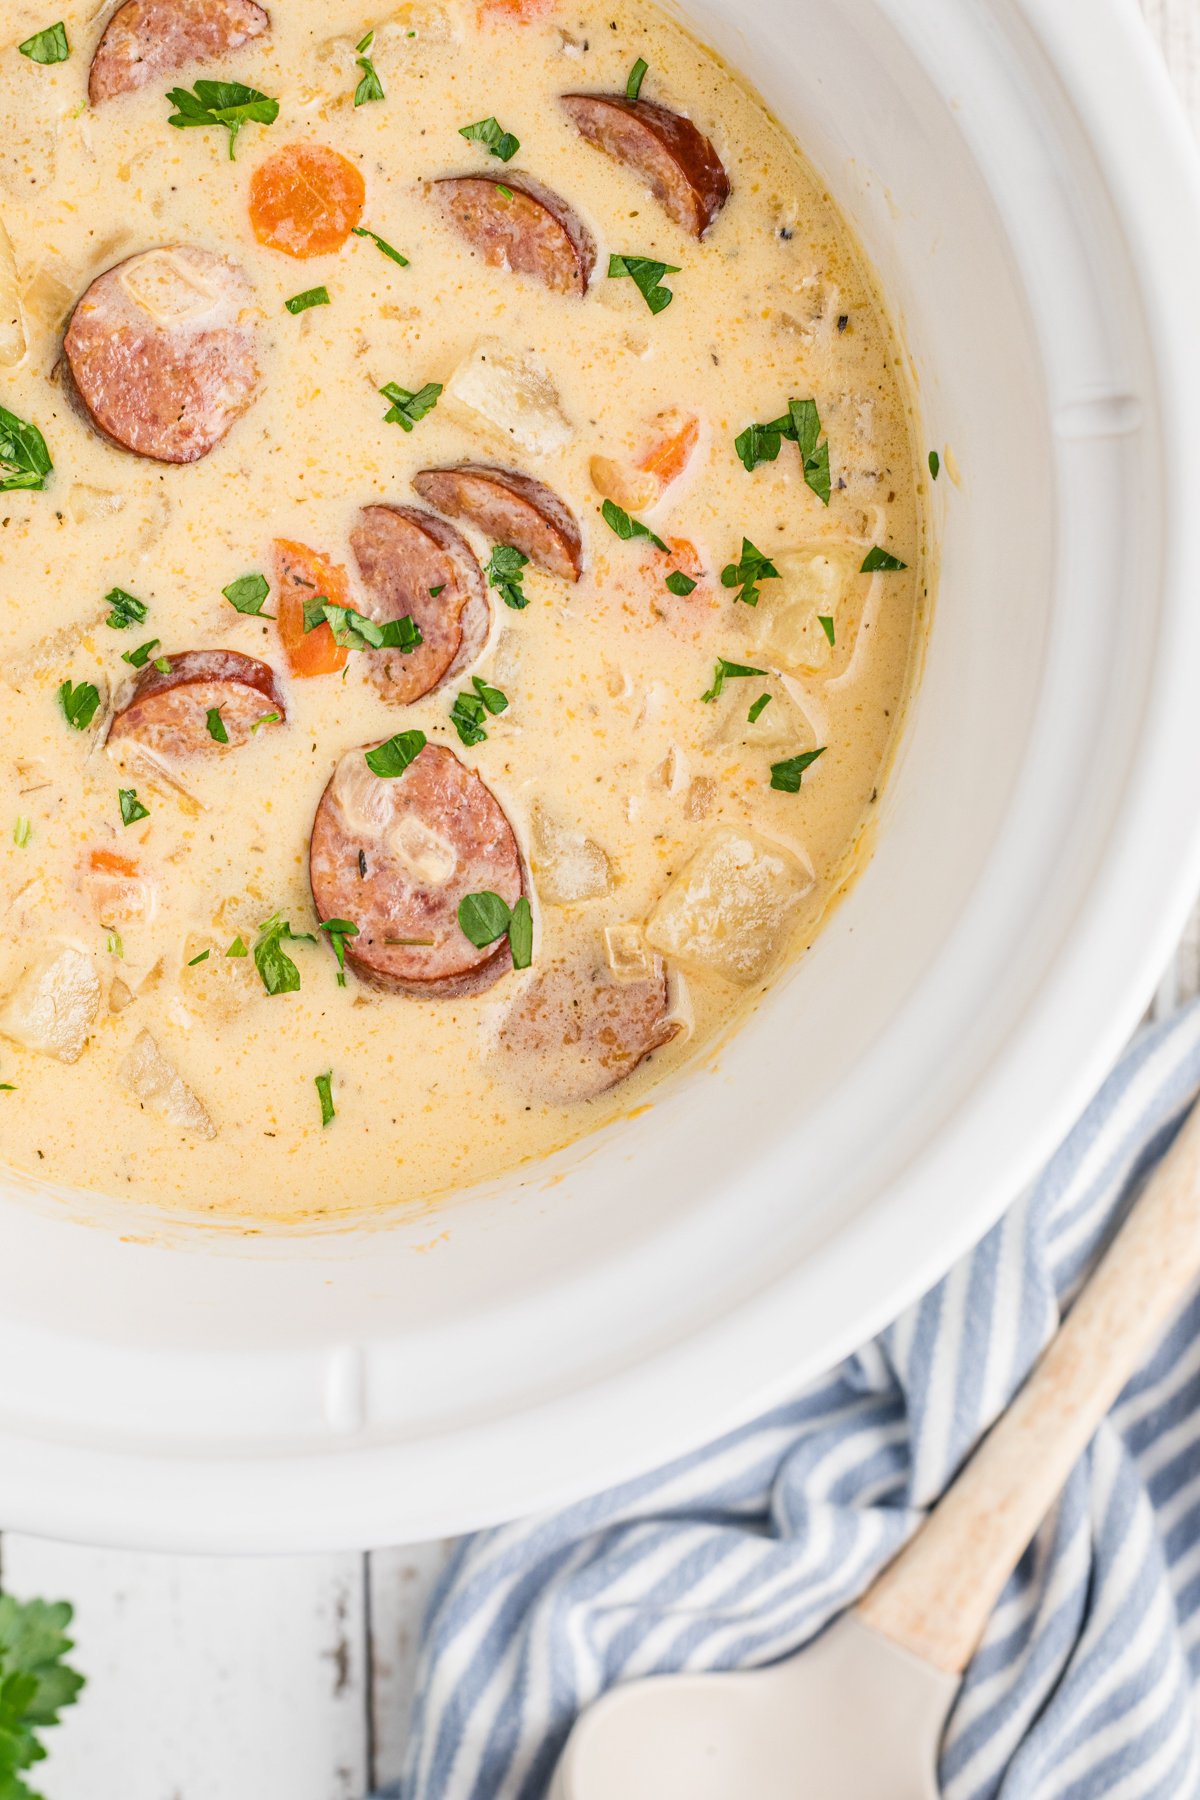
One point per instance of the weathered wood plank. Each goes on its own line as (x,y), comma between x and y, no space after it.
(401,1582)
(208,1679)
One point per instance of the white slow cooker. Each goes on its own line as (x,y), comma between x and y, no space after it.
(1019,173)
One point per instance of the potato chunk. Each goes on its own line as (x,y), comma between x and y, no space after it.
(512,394)
(783,721)
(567,866)
(727,911)
(157,1083)
(818,581)
(54,1005)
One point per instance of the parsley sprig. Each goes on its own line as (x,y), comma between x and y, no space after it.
(35,1681)
(79,703)
(24,458)
(504,573)
(370,87)
(646,274)
(493,137)
(745,574)
(485,918)
(626,527)
(381,244)
(470,710)
(800,425)
(226,103)
(408,409)
(276,969)
(339,930)
(728,671)
(48,46)
(354,631)
(124,609)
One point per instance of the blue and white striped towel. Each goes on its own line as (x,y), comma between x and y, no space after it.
(739,1554)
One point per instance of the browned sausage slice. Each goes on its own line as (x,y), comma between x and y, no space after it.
(512,509)
(575,1032)
(413,562)
(148,38)
(673,158)
(396,856)
(516,223)
(162,351)
(168,710)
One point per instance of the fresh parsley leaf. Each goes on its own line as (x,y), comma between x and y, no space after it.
(727,671)
(506,191)
(7,1087)
(35,1682)
(381,244)
(877,558)
(216,726)
(786,776)
(79,703)
(439,589)
(618,520)
(237,948)
(484,918)
(825,621)
(226,103)
(504,574)
(325,1083)
(759,444)
(746,574)
(801,425)
(115,947)
(492,697)
(520,934)
(370,87)
(493,137)
(758,707)
(354,631)
(48,46)
(24,458)
(125,611)
(131,807)
(935,464)
(646,274)
(271,718)
(407,409)
(467,716)
(22,832)
(390,759)
(635,78)
(137,659)
(318,296)
(680,584)
(247,593)
(163,664)
(276,969)
(197,960)
(339,930)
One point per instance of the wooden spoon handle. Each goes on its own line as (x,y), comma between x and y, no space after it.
(935,1598)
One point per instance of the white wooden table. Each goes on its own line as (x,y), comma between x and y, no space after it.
(291,1679)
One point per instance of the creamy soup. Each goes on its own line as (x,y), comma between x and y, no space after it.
(450,664)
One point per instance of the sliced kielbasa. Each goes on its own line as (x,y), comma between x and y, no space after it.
(516,223)
(412,562)
(512,509)
(162,351)
(673,158)
(146,39)
(168,710)
(574,1031)
(396,857)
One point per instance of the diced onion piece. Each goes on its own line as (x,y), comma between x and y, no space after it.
(54,1005)
(629,956)
(157,1083)
(567,866)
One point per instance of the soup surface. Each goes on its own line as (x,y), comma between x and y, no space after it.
(409,591)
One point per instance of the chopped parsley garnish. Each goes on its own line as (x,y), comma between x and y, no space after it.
(786,776)
(800,425)
(501,189)
(325,1083)
(137,659)
(225,103)
(635,78)
(646,274)
(370,87)
(247,593)
(493,137)
(339,930)
(381,244)
(318,296)
(278,972)
(237,948)
(440,589)
(79,703)
(758,707)
(825,621)
(163,664)
(271,718)
(407,409)
(935,464)
(125,610)
(727,671)
(197,960)
(354,631)
(469,710)
(131,807)
(48,46)
(493,698)
(115,947)
(390,759)
(880,559)
(22,832)
(618,520)
(24,458)
(504,574)
(746,574)
(679,583)
(485,918)
(8,1087)
(216,726)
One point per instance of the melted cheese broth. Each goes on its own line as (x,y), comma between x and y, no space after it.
(605,734)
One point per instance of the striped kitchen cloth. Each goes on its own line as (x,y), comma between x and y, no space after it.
(732,1557)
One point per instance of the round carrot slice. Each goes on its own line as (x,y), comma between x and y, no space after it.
(305,200)
(302,574)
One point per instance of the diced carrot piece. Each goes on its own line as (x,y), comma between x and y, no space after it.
(302,574)
(110,863)
(515,12)
(118,891)
(306,200)
(685,557)
(668,458)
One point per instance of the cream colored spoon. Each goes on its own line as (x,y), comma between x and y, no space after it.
(860,1713)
